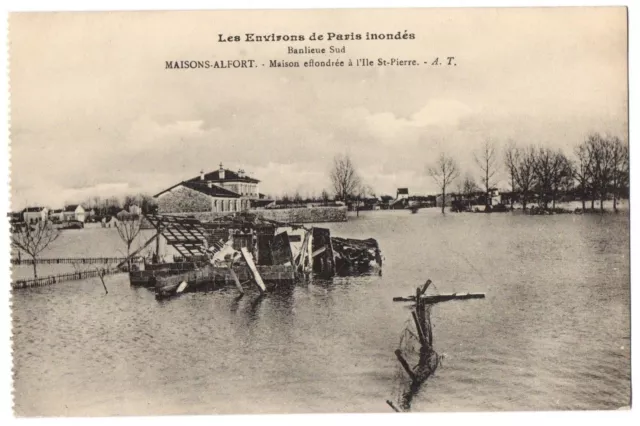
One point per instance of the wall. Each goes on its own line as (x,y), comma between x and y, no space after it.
(301,215)
(305,215)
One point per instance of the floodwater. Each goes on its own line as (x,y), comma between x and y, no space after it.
(552,334)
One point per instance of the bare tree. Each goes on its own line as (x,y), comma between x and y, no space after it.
(486,159)
(325,197)
(34,239)
(512,161)
(468,186)
(344,177)
(128,229)
(620,169)
(582,171)
(562,177)
(444,172)
(602,170)
(525,173)
(550,169)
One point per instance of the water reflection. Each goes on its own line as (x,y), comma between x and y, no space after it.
(254,307)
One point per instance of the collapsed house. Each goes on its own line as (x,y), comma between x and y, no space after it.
(241,249)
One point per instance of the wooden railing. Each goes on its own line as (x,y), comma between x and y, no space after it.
(54,279)
(73,260)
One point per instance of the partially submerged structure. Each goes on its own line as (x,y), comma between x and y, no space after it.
(242,248)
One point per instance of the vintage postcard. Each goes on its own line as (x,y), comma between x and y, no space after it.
(319,211)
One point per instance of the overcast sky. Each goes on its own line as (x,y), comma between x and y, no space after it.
(95,112)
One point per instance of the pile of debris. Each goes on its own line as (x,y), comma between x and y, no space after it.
(242,247)
(356,255)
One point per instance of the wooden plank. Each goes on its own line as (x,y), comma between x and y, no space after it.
(257,279)
(181,287)
(324,264)
(391,404)
(319,251)
(281,250)
(441,297)
(303,251)
(421,336)
(405,365)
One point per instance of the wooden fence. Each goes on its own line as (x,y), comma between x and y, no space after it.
(54,279)
(190,259)
(74,260)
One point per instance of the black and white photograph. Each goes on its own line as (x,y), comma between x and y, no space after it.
(413,210)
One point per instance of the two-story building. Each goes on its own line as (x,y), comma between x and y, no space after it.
(35,214)
(222,190)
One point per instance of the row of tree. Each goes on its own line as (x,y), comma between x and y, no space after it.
(599,171)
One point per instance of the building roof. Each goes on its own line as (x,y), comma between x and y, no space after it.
(56,211)
(185,234)
(33,209)
(229,176)
(71,208)
(213,191)
(403,191)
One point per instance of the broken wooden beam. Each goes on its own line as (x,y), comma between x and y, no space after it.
(425,287)
(435,298)
(392,405)
(182,287)
(318,252)
(257,279)
(405,365)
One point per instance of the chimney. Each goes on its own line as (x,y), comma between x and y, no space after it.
(221,172)
(210,184)
(241,173)
(201,174)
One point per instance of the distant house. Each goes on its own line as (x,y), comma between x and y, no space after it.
(402,193)
(399,203)
(494,196)
(15,217)
(56,215)
(135,210)
(74,212)
(35,214)
(421,201)
(110,222)
(509,197)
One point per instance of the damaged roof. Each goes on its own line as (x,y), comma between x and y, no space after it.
(185,234)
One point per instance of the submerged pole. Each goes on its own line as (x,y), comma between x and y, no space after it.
(421,335)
